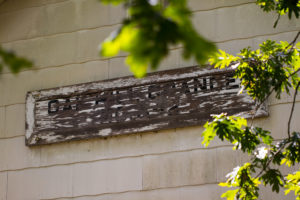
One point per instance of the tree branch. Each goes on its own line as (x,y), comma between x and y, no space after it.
(295,39)
(295,72)
(292,110)
(289,123)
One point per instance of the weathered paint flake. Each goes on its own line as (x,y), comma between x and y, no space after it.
(162,100)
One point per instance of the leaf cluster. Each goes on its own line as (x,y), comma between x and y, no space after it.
(235,130)
(293,184)
(258,143)
(291,154)
(241,177)
(269,68)
(282,7)
(149,32)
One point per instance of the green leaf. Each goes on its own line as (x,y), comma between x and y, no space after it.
(209,133)
(12,61)
(138,66)
(110,48)
(292,184)
(234,129)
(230,194)
(274,178)
(222,59)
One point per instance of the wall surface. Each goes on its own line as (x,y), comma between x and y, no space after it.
(62,38)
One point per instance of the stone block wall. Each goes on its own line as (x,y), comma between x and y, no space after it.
(62,38)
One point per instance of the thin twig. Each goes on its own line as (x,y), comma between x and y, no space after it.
(276,22)
(292,110)
(295,39)
(295,72)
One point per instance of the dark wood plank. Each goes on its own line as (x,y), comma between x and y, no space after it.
(162,100)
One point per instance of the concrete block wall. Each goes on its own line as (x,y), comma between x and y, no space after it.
(62,38)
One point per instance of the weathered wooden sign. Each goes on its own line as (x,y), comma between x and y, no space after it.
(162,100)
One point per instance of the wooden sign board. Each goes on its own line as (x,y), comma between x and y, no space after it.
(162,100)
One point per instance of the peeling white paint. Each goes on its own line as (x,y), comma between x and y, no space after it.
(185,105)
(227,103)
(86,111)
(30,102)
(184,112)
(117,106)
(151,127)
(89,120)
(65,125)
(50,136)
(105,132)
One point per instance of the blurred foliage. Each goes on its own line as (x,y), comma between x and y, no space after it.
(13,62)
(150,30)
